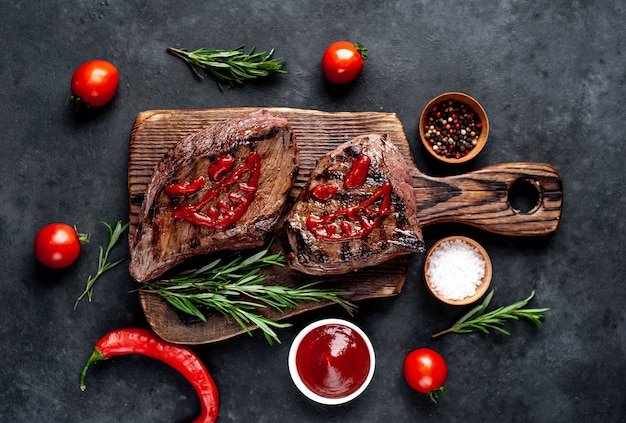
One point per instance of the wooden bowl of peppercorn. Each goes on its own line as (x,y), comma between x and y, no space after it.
(453,127)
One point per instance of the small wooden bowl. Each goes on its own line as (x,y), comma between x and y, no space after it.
(480,114)
(480,289)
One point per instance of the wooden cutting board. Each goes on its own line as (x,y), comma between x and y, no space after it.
(478,198)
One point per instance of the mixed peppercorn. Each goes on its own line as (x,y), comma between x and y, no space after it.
(452,129)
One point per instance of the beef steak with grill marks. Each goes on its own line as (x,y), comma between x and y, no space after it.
(358,209)
(222,188)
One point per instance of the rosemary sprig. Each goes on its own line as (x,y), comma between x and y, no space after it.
(230,66)
(235,289)
(477,319)
(103,259)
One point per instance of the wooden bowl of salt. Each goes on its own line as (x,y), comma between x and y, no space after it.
(457,270)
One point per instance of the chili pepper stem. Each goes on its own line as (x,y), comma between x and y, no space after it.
(96,355)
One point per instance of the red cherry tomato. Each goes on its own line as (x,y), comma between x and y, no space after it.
(342,61)
(57,245)
(95,82)
(426,371)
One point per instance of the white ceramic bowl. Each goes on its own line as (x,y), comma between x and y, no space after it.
(297,378)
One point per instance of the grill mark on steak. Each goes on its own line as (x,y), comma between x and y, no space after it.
(321,247)
(165,238)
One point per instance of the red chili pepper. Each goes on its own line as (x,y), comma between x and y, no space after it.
(147,343)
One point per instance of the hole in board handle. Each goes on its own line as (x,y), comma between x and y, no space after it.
(524,196)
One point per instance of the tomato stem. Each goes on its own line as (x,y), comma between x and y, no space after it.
(82,238)
(361,49)
(79,103)
(436,393)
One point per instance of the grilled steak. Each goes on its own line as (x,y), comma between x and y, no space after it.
(357,210)
(222,188)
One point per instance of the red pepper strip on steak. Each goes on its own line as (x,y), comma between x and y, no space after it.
(222,188)
(357,210)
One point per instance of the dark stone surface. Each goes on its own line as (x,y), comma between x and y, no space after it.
(549,74)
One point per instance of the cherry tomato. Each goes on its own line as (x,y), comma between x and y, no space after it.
(57,245)
(426,371)
(342,61)
(95,82)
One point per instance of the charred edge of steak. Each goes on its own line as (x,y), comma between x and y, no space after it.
(399,210)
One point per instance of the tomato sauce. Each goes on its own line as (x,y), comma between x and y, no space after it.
(333,361)
(339,225)
(221,168)
(324,192)
(185,188)
(239,186)
(357,174)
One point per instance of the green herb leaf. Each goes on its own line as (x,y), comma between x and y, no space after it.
(236,290)
(230,66)
(103,259)
(478,320)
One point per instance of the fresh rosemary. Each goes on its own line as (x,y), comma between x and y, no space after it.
(230,66)
(103,259)
(477,320)
(234,287)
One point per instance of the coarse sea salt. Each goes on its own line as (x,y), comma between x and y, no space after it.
(455,269)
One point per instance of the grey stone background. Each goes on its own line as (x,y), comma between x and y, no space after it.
(549,74)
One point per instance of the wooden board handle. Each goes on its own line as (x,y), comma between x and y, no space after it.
(481,199)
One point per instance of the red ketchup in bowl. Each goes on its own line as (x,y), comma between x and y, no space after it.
(332,361)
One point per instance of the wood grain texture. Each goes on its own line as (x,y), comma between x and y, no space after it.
(478,198)
(481,199)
